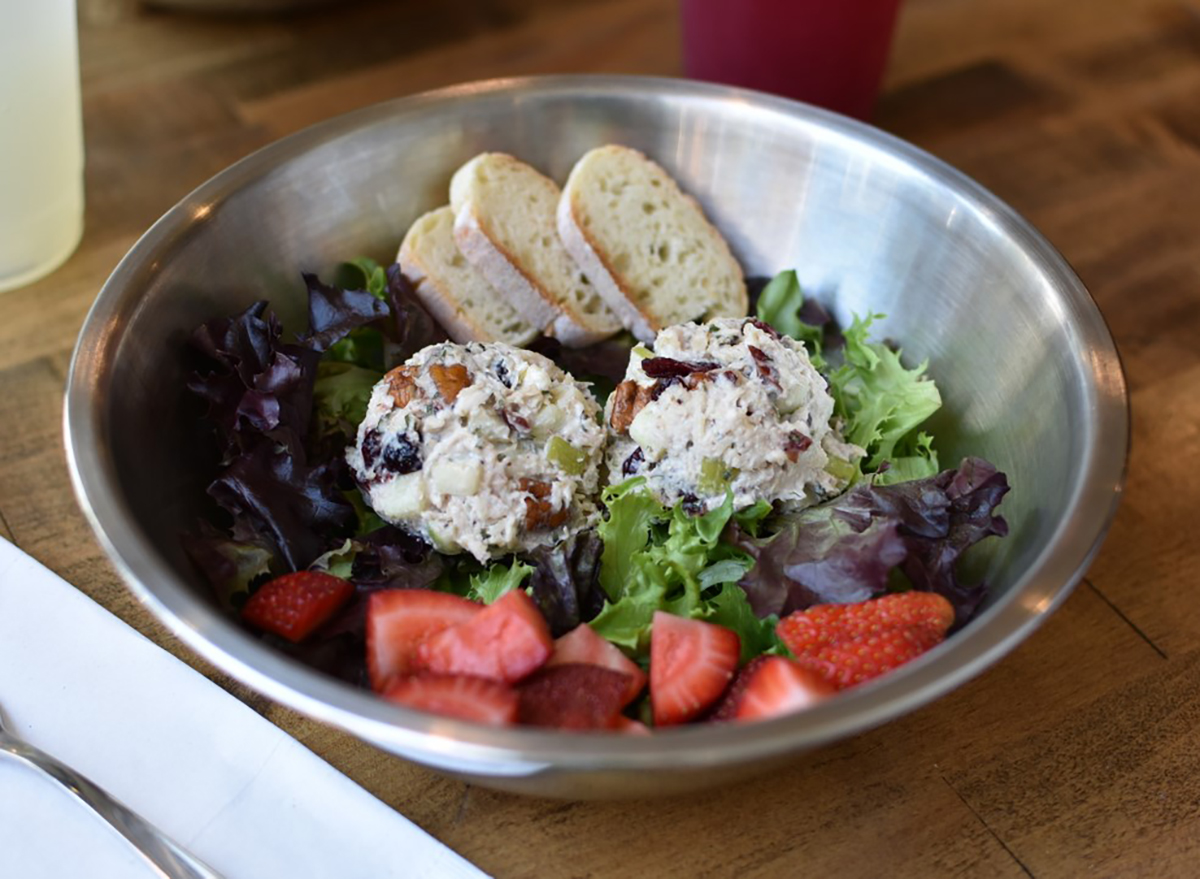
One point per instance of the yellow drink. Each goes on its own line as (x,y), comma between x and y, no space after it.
(41,139)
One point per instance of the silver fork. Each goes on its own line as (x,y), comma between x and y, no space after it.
(164,856)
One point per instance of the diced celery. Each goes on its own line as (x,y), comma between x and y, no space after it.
(715,476)
(569,459)
(840,468)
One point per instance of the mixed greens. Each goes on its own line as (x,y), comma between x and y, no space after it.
(282,413)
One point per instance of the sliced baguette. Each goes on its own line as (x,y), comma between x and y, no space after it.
(455,294)
(645,245)
(504,223)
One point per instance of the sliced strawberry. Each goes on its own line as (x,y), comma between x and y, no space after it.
(398,620)
(582,644)
(505,641)
(691,663)
(852,643)
(460,696)
(806,630)
(850,662)
(573,696)
(295,605)
(770,686)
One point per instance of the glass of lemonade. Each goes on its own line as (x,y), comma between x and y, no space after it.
(41,139)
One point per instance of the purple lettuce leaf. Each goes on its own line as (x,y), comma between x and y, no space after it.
(229,565)
(255,387)
(565,581)
(843,551)
(296,508)
(408,326)
(334,312)
(387,558)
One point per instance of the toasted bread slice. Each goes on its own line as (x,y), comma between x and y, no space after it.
(455,294)
(504,223)
(645,245)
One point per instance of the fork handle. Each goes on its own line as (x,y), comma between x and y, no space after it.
(166,857)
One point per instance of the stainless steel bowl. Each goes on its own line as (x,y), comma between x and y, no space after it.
(1028,370)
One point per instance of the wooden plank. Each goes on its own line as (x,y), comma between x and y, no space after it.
(1148,565)
(618,36)
(1110,791)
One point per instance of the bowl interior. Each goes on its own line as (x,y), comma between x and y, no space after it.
(1027,370)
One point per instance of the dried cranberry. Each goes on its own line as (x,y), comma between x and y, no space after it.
(796,444)
(515,422)
(633,463)
(669,367)
(656,390)
(765,327)
(370,449)
(766,370)
(401,456)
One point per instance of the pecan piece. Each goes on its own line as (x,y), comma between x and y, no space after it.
(450,379)
(539,513)
(402,385)
(628,399)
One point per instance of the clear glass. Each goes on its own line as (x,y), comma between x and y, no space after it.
(41,139)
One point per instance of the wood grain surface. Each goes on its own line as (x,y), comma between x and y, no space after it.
(1080,752)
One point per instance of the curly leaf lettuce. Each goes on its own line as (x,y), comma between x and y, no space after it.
(660,559)
(882,403)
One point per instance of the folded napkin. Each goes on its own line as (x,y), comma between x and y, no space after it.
(223,782)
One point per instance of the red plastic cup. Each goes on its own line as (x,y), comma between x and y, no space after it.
(831,53)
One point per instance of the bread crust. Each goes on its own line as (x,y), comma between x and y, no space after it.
(502,271)
(592,263)
(591,252)
(418,261)
(557,315)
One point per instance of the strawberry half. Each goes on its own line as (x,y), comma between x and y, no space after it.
(770,686)
(691,663)
(573,696)
(295,605)
(806,630)
(852,643)
(583,645)
(505,641)
(398,620)
(853,661)
(466,698)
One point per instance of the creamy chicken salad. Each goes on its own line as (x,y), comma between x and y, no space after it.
(480,447)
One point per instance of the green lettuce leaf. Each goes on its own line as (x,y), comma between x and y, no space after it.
(631,513)
(882,403)
(341,394)
(497,580)
(779,305)
(660,559)
(362,273)
(731,608)
(338,562)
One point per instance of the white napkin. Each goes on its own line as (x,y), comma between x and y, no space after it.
(223,782)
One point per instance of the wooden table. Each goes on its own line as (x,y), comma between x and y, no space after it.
(1080,752)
